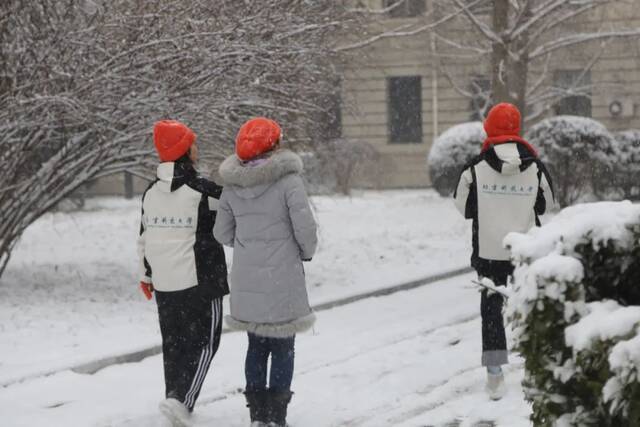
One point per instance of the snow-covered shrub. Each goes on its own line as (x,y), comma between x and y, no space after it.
(575,310)
(450,152)
(627,169)
(316,180)
(335,165)
(580,154)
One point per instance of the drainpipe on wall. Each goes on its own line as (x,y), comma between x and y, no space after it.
(435,64)
(434,86)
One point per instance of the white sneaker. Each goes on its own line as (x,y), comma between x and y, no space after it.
(496,388)
(176,412)
(258,424)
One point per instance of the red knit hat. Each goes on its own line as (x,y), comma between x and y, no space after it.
(502,125)
(172,139)
(256,137)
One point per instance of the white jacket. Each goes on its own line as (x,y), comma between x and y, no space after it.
(176,246)
(503,190)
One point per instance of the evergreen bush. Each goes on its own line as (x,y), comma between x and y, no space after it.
(627,169)
(580,154)
(450,152)
(575,310)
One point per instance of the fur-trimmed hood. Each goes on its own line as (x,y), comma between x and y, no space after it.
(273,330)
(236,173)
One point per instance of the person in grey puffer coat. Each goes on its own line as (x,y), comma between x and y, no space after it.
(264,214)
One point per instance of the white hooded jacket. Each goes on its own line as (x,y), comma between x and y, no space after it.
(176,246)
(503,190)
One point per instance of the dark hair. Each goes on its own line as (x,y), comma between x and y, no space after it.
(185,158)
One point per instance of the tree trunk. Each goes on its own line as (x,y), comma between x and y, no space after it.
(520,69)
(519,83)
(499,54)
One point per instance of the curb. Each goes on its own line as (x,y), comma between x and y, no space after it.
(94,366)
(393,289)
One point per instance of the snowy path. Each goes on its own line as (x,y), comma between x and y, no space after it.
(70,295)
(409,359)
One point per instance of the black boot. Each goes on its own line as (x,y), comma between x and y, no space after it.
(277,412)
(257,403)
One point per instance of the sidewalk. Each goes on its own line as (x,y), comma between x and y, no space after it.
(407,359)
(69,296)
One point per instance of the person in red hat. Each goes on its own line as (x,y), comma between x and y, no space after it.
(504,189)
(183,265)
(265,216)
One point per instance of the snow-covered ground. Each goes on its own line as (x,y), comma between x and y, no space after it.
(409,359)
(70,293)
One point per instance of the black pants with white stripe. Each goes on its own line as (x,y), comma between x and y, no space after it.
(494,340)
(191,325)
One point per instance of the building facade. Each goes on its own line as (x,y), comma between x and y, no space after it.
(402,91)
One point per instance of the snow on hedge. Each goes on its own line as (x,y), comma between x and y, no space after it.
(451,151)
(624,361)
(459,142)
(593,222)
(606,320)
(627,179)
(575,309)
(571,133)
(580,154)
(628,142)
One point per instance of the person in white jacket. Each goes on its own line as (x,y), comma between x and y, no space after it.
(182,263)
(504,189)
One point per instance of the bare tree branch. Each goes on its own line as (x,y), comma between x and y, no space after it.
(80,90)
(576,39)
(460,46)
(524,32)
(477,23)
(445,72)
(382,11)
(541,78)
(403,30)
(521,26)
(559,19)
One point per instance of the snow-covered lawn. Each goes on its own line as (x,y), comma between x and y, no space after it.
(70,293)
(409,359)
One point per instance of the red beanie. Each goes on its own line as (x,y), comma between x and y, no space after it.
(256,137)
(172,139)
(502,125)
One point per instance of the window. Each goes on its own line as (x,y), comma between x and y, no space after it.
(405,8)
(404,106)
(480,103)
(575,88)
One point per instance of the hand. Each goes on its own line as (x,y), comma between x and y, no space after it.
(147,289)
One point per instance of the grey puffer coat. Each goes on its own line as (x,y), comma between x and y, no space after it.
(264,214)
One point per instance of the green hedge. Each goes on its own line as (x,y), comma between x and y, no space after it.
(576,316)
